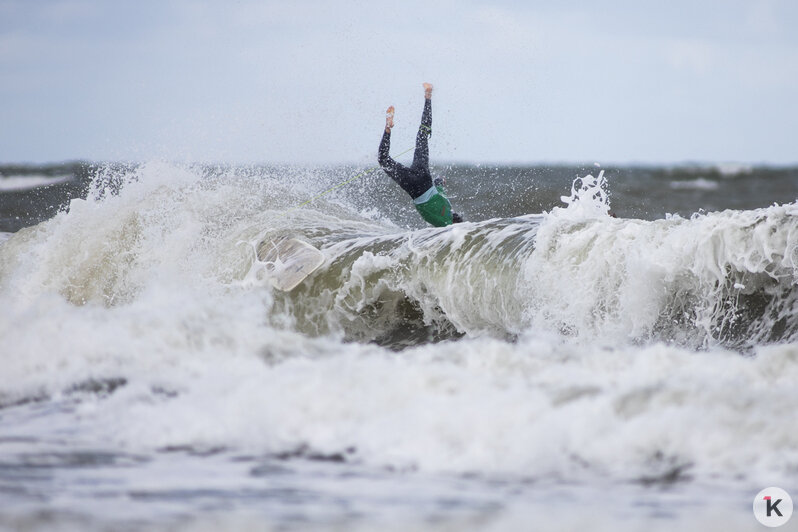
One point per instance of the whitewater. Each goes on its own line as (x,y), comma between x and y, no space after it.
(565,369)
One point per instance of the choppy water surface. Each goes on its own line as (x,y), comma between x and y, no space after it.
(546,365)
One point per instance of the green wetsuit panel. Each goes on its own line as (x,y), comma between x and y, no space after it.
(437,210)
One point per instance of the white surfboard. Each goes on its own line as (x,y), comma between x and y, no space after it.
(289,261)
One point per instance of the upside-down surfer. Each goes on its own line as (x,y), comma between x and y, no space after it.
(428,196)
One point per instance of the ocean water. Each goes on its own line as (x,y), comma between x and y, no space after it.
(593,349)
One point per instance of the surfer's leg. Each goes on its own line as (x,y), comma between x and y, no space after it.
(383,155)
(421,155)
(410,180)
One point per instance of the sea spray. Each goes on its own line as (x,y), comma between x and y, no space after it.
(718,278)
(558,357)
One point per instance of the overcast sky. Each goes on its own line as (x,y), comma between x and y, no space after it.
(611,81)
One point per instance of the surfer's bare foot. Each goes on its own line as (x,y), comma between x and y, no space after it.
(389,118)
(428,91)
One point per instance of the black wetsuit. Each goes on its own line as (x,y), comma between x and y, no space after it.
(415,180)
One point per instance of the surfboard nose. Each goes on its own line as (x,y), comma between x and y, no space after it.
(289,261)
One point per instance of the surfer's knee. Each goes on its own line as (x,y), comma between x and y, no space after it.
(456,218)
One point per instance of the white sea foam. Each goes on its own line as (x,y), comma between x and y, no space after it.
(734,169)
(536,407)
(562,375)
(23,182)
(630,275)
(695,184)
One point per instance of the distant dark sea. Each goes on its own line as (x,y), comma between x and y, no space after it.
(32,193)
